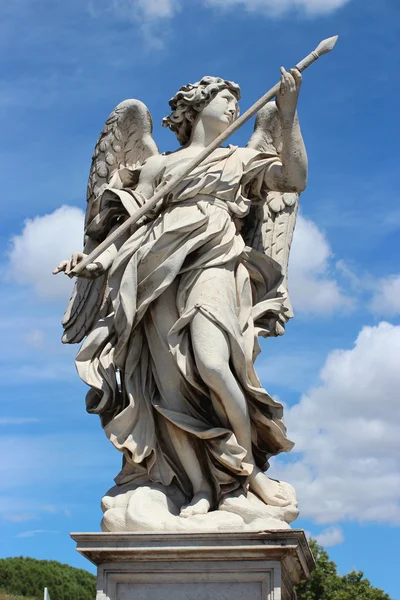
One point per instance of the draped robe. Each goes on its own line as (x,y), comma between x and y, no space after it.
(192,247)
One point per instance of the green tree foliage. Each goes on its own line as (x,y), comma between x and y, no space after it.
(6,596)
(28,577)
(326,584)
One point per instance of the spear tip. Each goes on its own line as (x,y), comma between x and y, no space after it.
(326,45)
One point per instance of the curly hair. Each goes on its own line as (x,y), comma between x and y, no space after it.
(190,100)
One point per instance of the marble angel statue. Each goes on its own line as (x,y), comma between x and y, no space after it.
(170,314)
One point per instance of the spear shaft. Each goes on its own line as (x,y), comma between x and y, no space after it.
(323,48)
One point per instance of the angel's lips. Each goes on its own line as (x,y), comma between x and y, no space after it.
(230,117)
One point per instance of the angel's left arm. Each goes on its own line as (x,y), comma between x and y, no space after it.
(289,175)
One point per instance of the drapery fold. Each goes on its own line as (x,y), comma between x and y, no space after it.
(191,246)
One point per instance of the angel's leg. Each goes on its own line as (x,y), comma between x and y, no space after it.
(212,353)
(162,316)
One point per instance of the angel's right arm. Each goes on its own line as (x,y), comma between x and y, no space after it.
(291,174)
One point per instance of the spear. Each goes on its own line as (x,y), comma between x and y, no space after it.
(323,48)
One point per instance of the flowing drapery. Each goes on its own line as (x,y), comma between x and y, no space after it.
(190,257)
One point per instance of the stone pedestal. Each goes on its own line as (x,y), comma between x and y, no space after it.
(197,566)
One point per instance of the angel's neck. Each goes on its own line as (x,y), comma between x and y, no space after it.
(202,136)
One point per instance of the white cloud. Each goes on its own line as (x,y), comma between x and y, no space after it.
(386,297)
(154,17)
(149,11)
(42,244)
(46,240)
(33,532)
(346,429)
(312,289)
(18,517)
(155,9)
(140,10)
(276,8)
(332,536)
(151,16)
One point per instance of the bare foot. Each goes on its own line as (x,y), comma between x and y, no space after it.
(270,491)
(200,505)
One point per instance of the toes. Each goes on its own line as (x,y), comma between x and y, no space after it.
(276,501)
(282,498)
(282,503)
(186,511)
(285,503)
(199,508)
(282,494)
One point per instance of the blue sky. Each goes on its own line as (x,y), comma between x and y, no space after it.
(64,66)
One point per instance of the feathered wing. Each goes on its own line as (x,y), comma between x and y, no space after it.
(123,146)
(269,226)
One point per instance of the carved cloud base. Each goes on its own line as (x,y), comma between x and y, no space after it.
(238,566)
(154,508)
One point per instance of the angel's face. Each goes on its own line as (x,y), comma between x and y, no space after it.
(221,111)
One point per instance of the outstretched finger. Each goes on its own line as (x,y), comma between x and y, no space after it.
(61,267)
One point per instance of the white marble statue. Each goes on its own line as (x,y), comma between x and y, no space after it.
(171,312)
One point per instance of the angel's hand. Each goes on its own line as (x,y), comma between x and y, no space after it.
(90,272)
(287,97)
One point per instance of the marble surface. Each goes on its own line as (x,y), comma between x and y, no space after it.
(171,311)
(156,508)
(221,566)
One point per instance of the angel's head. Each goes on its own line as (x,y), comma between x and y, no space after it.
(215,98)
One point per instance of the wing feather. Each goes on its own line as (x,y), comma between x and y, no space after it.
(269,226)
(125,142)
